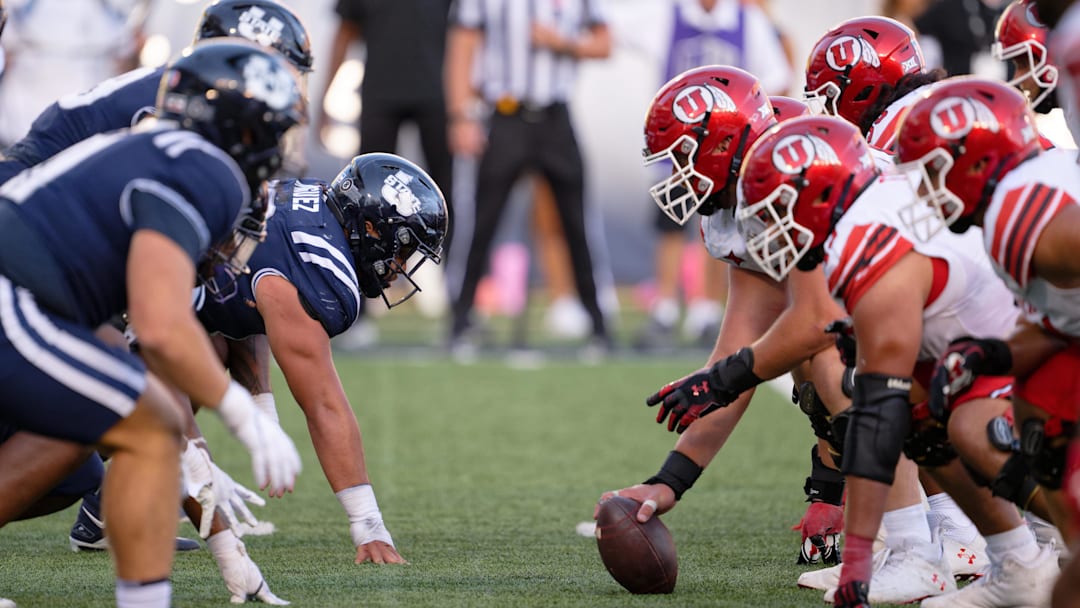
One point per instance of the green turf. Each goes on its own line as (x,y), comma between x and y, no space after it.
(482,473)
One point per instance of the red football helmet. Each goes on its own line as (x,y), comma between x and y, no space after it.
(796,183)
(1019,34)
(788,107)
(957,143)
(702,121)
(852,64)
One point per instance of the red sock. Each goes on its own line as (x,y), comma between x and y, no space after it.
(858,559)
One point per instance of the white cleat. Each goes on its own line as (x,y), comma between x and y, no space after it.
(1010,584)
(907,577)
(967,560)
(828,578)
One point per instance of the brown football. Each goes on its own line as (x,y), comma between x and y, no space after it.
(640,556)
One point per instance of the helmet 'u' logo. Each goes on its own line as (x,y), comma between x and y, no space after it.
(953,118)
(692,103)
(793,154)
(846,51)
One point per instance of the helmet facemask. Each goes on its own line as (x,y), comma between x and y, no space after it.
(682,193)
(225,262)
(773,238)
(385,260)
(823,100)
(1044,75)
(934,206)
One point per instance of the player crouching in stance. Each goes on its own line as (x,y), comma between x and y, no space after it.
(974,145)
(809,194)
(74,255)
(328,246)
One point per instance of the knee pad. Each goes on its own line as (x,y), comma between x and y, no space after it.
(879,421)
(928,445)
(1014,482)
(824,484)
(1043,445)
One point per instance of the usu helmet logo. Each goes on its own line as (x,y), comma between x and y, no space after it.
(847,51)
(254,26)
(265,82)
(795,153)
(955,117)
(396,191)
(693,102)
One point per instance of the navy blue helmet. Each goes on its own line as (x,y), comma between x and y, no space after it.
(390,210)
(263,21)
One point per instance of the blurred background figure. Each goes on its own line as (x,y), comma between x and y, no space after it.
(906,12)
(512,115)
(55,48)
(705,32)
(404,42)
(958,32)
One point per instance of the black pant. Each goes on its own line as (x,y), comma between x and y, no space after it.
(543,141)
(379,126)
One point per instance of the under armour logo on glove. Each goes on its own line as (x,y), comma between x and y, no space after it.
(684,401)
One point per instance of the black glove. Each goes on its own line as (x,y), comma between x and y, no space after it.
(844,335)
(705,391)
(957,368)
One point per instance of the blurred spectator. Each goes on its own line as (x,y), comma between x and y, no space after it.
(704,32)
(405,42)
(963,30)
(906,12)
(527,54)
(55,48)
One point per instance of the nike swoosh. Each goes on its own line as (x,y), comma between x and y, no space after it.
(97,522)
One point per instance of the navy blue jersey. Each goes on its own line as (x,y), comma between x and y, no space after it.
(66,224)
(113,104)
(306,246)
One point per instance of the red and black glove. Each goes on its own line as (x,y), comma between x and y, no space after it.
(684,401)
(844,335)
(958,367)
(820,527)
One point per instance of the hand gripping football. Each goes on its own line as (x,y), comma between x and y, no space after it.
(640,556)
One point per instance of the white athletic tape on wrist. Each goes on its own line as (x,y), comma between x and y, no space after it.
(265,403)
(365,519)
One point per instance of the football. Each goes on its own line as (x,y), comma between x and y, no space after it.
(640,556)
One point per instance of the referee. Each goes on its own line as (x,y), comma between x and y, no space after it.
(526,52)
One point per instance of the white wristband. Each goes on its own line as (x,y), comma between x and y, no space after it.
(236,407)
(265,403)
(365,519)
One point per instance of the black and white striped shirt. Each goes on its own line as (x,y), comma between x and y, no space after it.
(509,66)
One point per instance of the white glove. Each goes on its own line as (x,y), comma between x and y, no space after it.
(273,456)
(215,490)
(242,576)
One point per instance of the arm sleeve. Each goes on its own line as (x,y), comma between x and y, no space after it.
(165,211)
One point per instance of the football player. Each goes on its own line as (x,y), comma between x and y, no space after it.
(810,190)
(1020,39)
(123,100)
(703,121)
(119,222)
(975,148)
(328,246)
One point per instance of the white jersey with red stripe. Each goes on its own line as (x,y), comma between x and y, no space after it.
(1025,201)
(720,232)
(1065,51)
(967,300)
(882,134)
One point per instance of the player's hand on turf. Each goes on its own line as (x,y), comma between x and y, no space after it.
(820,528)
(243,578)
(273,456)
(956,369)
(655,499)
(683,401)
(378,552)
(373,541)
